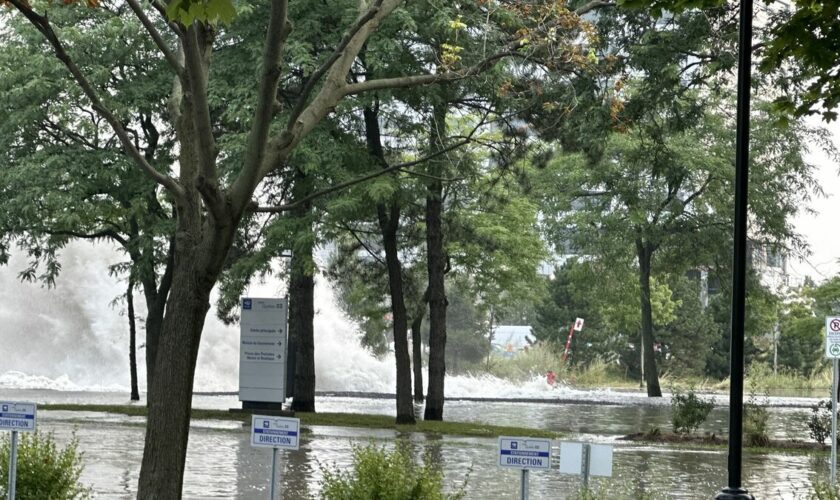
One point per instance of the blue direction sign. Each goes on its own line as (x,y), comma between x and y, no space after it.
(524,453)
(17,416)
(275,432)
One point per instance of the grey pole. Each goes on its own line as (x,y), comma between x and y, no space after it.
(585,466)
(271,490)
(13,466)
(523,485)
(834,364)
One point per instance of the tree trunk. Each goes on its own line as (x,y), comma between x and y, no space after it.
(417,355)
(132,342)
(388,223)
(156,296)
(645,251)
(301,316)
(167,428)
(302,300)
(436,264)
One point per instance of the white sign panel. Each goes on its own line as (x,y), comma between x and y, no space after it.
(578,324)
(524,453)
(262,350)
(275,432)
(600,460)
(17,416)
(832,337)
(571,458)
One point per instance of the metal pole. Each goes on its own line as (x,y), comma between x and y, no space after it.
(586,466)
(739,261)
(834,364)
(13,466)
(523,485)
(271,489)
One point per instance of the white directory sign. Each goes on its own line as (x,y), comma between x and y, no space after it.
(524,453)
(832,337)
(585,458)
(262,350)
(275,432)
(600,460)
(571,458)
(17,416)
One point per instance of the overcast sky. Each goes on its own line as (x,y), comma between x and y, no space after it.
(822,230)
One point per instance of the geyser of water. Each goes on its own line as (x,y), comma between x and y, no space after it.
(71,338)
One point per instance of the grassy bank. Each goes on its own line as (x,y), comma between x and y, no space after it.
(329,419)
(540,359)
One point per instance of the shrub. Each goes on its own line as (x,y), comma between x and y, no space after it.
(755,421)
(823,490)
(688,411)
(43,470)
(378,474)
(819,423)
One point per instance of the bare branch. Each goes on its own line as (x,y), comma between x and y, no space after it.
(161,44)
(43,25)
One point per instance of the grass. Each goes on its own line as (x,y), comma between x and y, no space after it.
(330,419)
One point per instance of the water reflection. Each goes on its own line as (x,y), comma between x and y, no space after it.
(222,464)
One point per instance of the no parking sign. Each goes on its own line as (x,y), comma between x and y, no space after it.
(832,337)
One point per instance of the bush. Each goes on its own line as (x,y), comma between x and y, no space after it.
(755,421)
(819,424)
(688,411)
(381,475)
(43,470)
(823,490)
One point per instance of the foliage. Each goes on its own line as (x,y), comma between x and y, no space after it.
(819,423)
(44,471)
(688,411)
(800,339)
(378,474)
(525,365)
(756,416)
(823,490)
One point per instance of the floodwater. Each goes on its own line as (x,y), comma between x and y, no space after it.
(222,464)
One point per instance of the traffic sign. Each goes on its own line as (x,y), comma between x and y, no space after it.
(832,337)
(17,416)
(275,432)
(578,324)
(524,453)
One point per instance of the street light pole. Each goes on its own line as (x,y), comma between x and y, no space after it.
(739,265)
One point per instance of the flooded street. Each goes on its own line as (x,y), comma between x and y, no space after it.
(222,464)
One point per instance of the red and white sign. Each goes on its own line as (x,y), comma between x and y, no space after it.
(578,324)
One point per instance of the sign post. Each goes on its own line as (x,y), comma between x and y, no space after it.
(576,327)
(16,417)
(524,454)
(262,353)
(832,352)
(275,433)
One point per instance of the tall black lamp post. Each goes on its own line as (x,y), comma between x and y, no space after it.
(739,267)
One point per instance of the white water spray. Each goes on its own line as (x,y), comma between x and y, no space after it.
(71,338)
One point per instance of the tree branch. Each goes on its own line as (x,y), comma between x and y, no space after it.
(43,25)
(322,70)
(278,30)
(593,5)
(359,180)
(161,44)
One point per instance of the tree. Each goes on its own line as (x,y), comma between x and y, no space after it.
(65,176)
(211,196)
